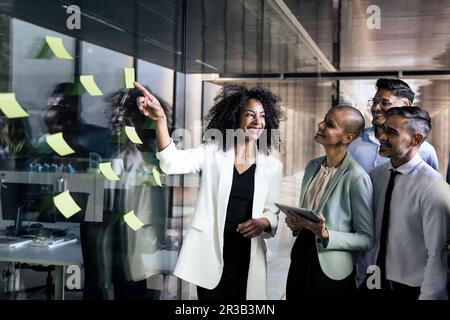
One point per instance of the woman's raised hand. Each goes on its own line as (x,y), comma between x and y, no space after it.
(150,106)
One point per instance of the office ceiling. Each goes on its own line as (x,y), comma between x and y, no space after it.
(225,36)
(244,37)
(414,35)
(150,30)
(252,37)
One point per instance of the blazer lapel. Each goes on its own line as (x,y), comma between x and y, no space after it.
(226,167)
(261,185)
(342,169)
(309,176)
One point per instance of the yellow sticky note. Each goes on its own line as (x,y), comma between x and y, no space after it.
(10,107)
(157,176)
(132,221)
(58,144)
(132,134)
(129,78)
(65,204)
(107,171)
(57,46)
(89,84)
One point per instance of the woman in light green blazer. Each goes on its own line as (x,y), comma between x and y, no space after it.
(322,258)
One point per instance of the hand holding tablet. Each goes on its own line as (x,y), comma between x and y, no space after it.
(305,213)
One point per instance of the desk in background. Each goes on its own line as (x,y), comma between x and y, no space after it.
(60,257)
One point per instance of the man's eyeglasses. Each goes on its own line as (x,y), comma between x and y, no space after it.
(384,103)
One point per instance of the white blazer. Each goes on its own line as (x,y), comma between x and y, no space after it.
(201,257)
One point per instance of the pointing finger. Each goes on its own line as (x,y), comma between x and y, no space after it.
(144,91)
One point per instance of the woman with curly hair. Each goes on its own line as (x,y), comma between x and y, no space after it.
(224,252)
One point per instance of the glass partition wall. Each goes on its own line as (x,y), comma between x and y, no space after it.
(66,64)
(69,65)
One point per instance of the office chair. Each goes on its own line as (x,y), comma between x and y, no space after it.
(38,229)
(49,289)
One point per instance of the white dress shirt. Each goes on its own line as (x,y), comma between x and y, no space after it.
(365,151)
(418,227)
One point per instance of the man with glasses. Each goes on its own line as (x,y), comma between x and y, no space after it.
(390,93)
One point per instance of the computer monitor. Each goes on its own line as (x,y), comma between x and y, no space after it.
(27,202)
(86,190)
(23,202)
(33,201)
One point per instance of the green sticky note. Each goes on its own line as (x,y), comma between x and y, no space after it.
(132,221)
(10,107)
(65,204)
(89,84)
(46,52)
(58,144)
(157,176)
(107,171)
(132,135)
(56,45)
(129,78)
(77,89)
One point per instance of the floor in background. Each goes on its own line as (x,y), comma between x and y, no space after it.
(279,248)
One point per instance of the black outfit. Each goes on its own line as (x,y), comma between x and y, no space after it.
(236,248)
(306,280)
(448,170)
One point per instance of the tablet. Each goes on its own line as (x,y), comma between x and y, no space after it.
(305,213)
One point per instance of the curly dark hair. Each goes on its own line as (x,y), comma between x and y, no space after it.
(124,108)
(229,103)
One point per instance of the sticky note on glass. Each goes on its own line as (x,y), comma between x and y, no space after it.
(89,84)
(132,135)
(107,171)
(58,144)
(10,107)
(132,221)
(54,45)
(129,78)
(65,204)
(157,176)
